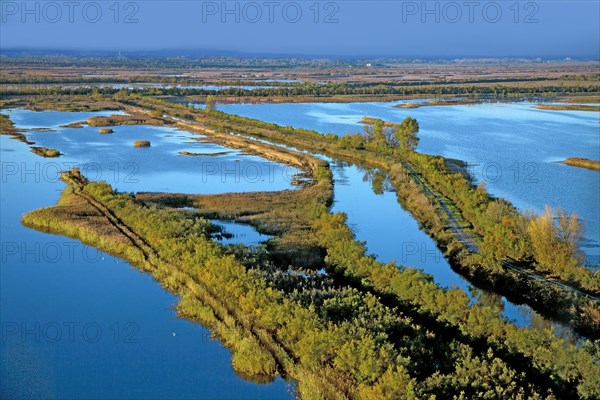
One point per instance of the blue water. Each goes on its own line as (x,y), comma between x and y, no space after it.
(78,323)
(132,86)
(49,281)
(512,146)
(159,168)
(392,235)
(240,233)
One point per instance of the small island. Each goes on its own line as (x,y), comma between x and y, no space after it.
(106,130)
(77,125)
(188,153)
(408,105)
(568,107)
(583,163)
(46,152)
(371,121)
(446,102)
(141,143)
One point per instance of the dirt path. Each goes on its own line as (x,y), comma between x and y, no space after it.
(471,245)
(454,224)
(283,357)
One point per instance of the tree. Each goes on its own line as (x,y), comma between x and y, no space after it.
(555,243)
(211,102)
(407,134)
(482,187)
(121,95)
(378,135)
(390,137)
(95,94)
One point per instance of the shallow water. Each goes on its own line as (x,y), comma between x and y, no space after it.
(143,349)
(393,235)
(159,168)
(79,323)
(240,233)
(133,86)
(403,241)
(390,232)
(514,147)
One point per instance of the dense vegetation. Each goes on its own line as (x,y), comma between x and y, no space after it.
(314,92)
(504,246)
(501,227)
(365,330)
(568,107)
(506,233)
(500,232)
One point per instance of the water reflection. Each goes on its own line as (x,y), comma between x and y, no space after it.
(209,169)
(47,281)
(392,235)
(514,147)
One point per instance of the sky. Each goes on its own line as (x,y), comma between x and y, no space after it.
(545,28)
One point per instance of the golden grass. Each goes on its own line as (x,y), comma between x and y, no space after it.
(408,105)
(583,163)
(46,152)
(134,118)
(141,143)
(286,215)
(567,107)
(448,102)
(188,153)
(372,120)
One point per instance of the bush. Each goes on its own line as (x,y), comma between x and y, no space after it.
(249,358)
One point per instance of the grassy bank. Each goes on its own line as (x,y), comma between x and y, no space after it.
(7,127)
(583,163)
(568,107)
(448,102)
(498,244)
(447,205)
(364,331)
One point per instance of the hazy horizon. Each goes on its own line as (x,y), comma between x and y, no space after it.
(346,28)
(159,53)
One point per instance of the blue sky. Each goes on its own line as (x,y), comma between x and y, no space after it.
(545,28)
